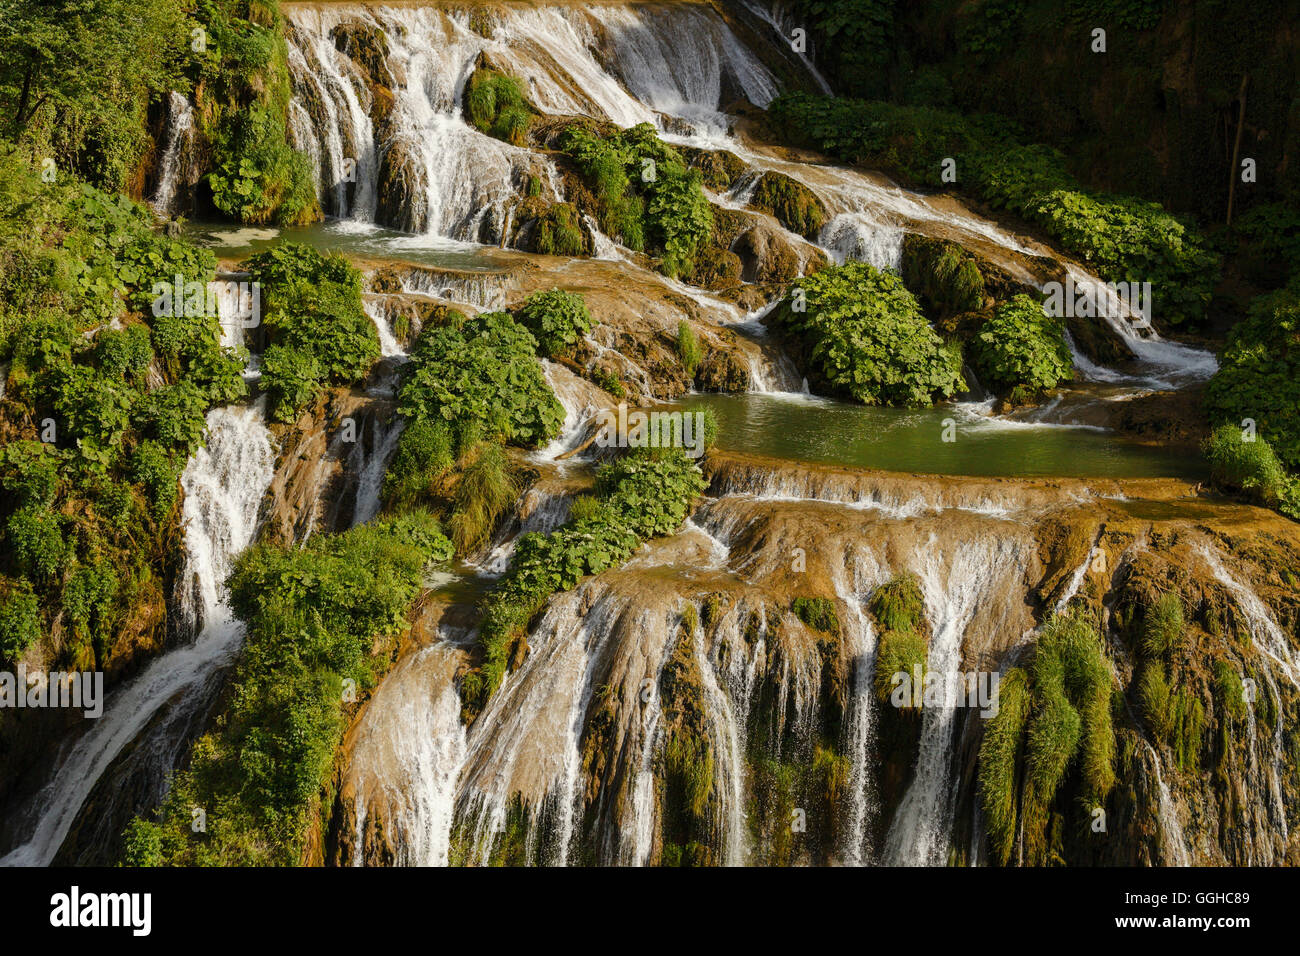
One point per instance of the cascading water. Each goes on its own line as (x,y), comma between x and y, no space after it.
(180,139)
(223,485)
(954,591)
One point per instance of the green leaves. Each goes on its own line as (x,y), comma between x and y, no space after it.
(482,375)
(557,318)
(1122,238)
(862,334)
(639,496)
(318,331)
(1020,346)
(1259,374)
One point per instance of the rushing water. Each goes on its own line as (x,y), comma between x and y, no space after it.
(224,483)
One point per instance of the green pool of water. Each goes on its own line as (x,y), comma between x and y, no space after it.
(912,440)
(351,239)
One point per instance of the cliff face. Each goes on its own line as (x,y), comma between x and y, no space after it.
(687,709)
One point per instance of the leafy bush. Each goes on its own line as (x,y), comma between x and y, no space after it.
(425,452)
(557,319)
(317,330)
(157,471)
(898,604)
(645,195)
(863,335)
(1257,376)
(1250,467)
(1021,346)
(20,620)
(35,536)
(482,375)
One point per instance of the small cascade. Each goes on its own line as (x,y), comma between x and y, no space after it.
(956,582)
(389,347)
(441,176)
(176,154)
(224,484)
(583,403)
(340,140)
(1173,844)
(542,509)
(853,584)
(528,742)
(370,465)
(410,756)
(486,291)
(861,237)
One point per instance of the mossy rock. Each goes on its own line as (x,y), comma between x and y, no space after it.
(552,229)
(721,169)
(723,370)
(367,46)
(793,204)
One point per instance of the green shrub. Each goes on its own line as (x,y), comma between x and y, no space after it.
(645,195)
(89,593)
(1250,467)
(559,232)
(1256,378)
(641,495)
(484,375)
(688,348)
(862,334)
(818,613)
(317,330)
(1229,691)
(35,537)
(495,105)
(20,620)
(157,471)
(1000,756)
(315,616)
(898,605)
(557,319)
(29,474)
(1020,346)
(1153,696)
(425,452)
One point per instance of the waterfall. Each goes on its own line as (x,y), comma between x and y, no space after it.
(1173,843)
(919,833)
(223,485)
(860,638)
(371,466)
(859,236)
(180,139)
(413,750)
